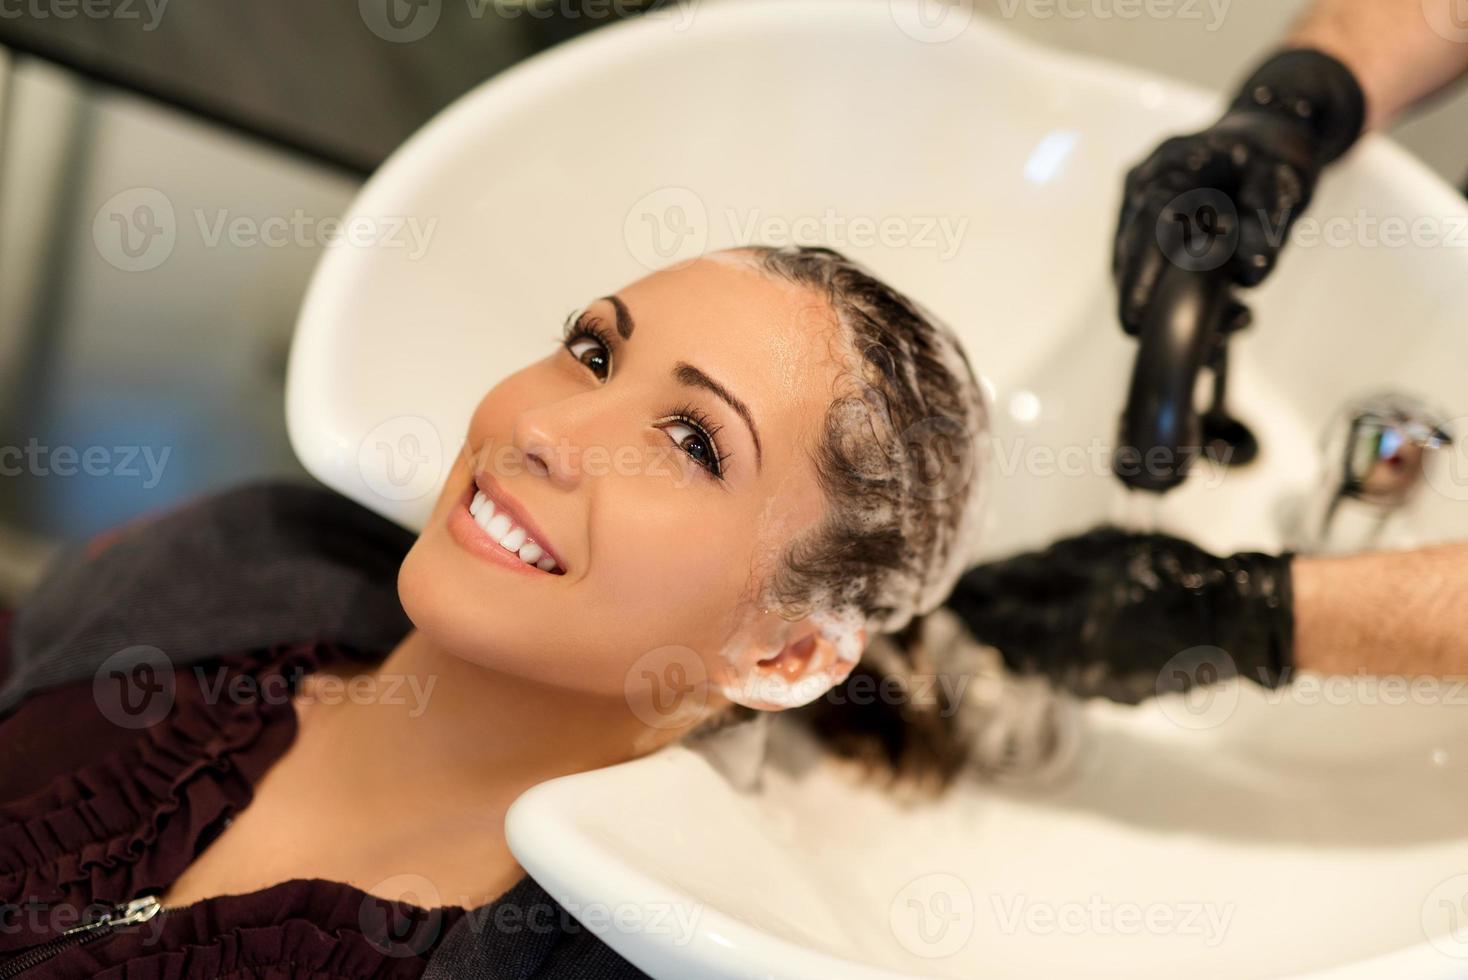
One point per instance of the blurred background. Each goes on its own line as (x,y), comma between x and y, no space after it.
(170,171)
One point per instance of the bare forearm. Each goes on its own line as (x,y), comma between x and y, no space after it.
(1397,54)
(1388,613)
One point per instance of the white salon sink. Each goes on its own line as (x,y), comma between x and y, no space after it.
(1236,834)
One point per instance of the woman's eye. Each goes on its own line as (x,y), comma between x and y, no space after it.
(592,353)
(695,444)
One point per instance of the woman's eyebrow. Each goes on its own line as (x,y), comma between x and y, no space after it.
(687,374)
(625,326)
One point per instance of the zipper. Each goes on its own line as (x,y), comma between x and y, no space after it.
(128,913)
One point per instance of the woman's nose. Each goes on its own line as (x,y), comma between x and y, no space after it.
(544,438)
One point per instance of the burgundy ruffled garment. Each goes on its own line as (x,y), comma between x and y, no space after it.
(96,812)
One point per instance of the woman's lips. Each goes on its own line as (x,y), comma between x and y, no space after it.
(505,503)
(472,537)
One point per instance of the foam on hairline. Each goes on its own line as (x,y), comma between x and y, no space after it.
(923,581)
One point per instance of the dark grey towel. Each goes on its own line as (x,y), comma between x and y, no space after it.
(263,563)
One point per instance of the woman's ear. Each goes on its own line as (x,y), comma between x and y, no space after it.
(814,658)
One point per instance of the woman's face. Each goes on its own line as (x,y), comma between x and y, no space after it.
(662,459)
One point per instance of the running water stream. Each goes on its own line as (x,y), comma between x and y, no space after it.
(1137,511)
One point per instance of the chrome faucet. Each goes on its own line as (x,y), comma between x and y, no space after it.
(1376,450)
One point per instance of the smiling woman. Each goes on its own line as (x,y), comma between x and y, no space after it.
(718,485)
(778,419)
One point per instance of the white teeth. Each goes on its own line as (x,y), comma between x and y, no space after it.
(499,525)
(507,534)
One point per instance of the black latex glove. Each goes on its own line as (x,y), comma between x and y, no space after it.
(1103,614)
(1227,196)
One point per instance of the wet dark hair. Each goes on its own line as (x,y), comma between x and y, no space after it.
(899,464)
(898,459)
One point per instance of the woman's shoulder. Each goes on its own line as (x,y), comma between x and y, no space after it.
(266,562)
(526,932)
(142,708)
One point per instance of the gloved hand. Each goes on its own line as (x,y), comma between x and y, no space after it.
(1228,195)
(1103,613)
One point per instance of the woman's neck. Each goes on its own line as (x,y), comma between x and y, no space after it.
(430,720)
